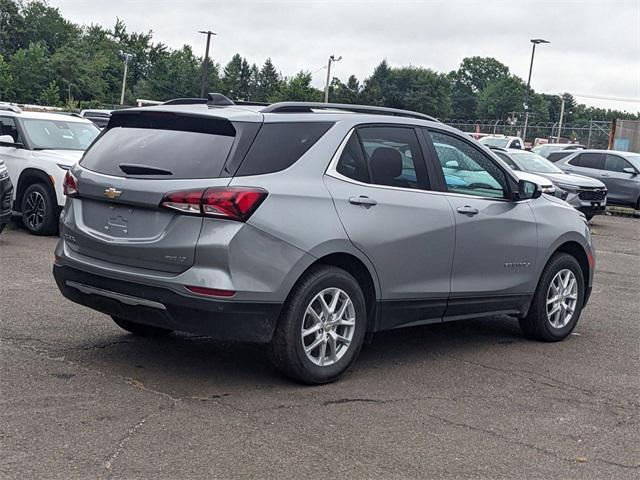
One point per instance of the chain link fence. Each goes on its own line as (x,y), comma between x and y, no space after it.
(593,134)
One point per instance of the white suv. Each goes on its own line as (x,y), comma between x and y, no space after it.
(38,149)
(502,141)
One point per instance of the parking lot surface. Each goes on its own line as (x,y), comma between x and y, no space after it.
(474,399)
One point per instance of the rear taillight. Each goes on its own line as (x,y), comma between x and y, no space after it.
(231,203)
(70,185)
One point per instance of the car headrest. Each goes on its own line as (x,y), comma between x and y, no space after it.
(385,164)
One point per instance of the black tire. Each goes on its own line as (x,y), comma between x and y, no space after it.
(40,222)
(141,329)
(287,350)
(536,324)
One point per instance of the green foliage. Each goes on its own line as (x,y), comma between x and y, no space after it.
(50,96)
(47,59)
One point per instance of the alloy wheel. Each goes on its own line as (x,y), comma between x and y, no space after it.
(562,298)
(328,326)
(35,210)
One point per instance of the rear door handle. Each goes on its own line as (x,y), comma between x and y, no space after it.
(467,210)
(605,175)
(363,200)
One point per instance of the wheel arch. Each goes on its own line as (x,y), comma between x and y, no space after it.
(577,251)
(366,278)
(28,177)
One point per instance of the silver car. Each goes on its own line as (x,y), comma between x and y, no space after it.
(617,170)
(583,193)
(307,226)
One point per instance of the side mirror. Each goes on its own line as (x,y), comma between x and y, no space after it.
(7,141)
(452,164)
(630,170)
(528,190)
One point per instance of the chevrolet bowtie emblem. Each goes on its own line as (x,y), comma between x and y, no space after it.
(112,193)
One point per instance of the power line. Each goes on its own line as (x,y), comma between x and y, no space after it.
(599,97)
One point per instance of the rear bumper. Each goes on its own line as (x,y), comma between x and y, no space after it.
(6,195)
(160,307)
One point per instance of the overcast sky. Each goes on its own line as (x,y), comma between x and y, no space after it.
(594,50)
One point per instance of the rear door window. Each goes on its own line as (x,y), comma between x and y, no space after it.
(279,145)
(588,160)
(393,157)
(164,146)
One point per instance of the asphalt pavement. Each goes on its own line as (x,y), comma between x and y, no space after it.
(81,399)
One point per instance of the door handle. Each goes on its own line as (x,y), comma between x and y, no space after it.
(605,175)
(363,200)
(467,210)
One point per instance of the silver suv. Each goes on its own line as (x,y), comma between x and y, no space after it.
(307,226)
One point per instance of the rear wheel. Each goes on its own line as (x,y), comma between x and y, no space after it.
(557,303)
(40,210)
(321,328)
(141,329)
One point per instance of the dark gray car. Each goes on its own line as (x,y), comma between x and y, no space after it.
(619,171)
(583,193)
(307,226)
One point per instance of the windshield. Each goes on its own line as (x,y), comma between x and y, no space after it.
(634,159)
(534,163)
(494,141)
(59,134)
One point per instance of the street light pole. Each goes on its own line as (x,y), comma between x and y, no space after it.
(535,41)
(205,62)
(127,57)
(561,117)
(332,58)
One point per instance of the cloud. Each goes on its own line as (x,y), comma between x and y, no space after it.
(595,47)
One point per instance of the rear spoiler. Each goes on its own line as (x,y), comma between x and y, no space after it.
(178,121)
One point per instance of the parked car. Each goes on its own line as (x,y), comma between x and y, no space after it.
(549,148)
(309,225)
(617,170)
(98,116)
(38,149)
(502,141)
(583,193)
(6,194)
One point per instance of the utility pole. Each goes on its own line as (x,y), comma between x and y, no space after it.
(127,57)
(535,41)
(205,62)
(561,116)
(332,58)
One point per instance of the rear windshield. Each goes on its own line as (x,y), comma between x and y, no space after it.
(177,154)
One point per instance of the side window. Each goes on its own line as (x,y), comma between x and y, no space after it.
(615,163)
(351,163)
(588,160)
(467,170)
(393,157)
(506,159)
(279,145)
(8,127)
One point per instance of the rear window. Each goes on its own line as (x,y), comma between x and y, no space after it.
(178,153)
(279,145)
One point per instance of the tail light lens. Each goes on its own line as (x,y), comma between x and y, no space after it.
(231,203)
(70,185)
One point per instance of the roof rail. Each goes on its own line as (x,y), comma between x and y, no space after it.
(185,101)
(308,107)
(249,102)
(10,108)
(495,147)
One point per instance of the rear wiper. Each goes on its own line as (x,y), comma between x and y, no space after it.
(134,169)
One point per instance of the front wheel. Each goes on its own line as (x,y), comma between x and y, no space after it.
(557,302)
(40,210)
(321,328)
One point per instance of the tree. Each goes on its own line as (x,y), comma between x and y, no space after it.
(269,82)
(349,93)
(500,97)
(376,84)
(477,72)
(11,28)
(6,81)
(50,96)
(30,71)
(297,88)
